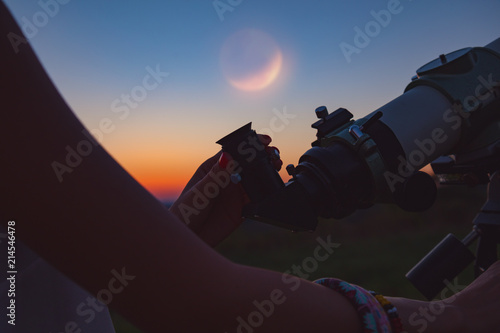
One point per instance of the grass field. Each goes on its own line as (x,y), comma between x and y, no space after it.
(377,245)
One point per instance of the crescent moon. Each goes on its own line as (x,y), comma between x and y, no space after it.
(251,60)
(261,79)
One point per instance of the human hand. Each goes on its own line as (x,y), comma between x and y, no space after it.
(211,204)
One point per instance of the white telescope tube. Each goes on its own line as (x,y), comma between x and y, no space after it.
(424,122)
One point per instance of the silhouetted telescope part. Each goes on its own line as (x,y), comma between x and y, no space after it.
(448,108)
(448,113)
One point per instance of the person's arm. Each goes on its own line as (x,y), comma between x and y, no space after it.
(97,225)
(439,317)
(92,221)
(474,309)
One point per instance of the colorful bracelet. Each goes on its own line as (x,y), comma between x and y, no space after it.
(372,314)
(392,312)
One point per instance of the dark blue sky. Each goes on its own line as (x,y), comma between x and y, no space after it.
(99,51)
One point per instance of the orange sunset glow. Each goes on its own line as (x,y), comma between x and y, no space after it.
(163,177)
(171,89)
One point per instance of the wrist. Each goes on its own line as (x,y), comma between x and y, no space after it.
(428,317)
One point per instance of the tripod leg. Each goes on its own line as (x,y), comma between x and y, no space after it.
(486,248)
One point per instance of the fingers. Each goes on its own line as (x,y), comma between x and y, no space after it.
(273,152)
(202,170)
(223,163)
(274,156)
(196,202)
(265,139)
(223,159)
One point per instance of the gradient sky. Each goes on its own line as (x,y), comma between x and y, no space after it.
(98,51)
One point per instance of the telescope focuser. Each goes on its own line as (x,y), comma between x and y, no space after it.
(346,169)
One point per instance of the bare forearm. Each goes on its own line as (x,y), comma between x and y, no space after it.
(429,317)
(297,305)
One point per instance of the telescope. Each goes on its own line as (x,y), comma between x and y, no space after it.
(448,115)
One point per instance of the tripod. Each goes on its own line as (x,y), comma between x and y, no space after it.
(451,256)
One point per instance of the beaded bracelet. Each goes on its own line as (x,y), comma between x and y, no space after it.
(371,312)
(392,312)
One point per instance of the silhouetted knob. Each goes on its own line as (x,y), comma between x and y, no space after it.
(321,112)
